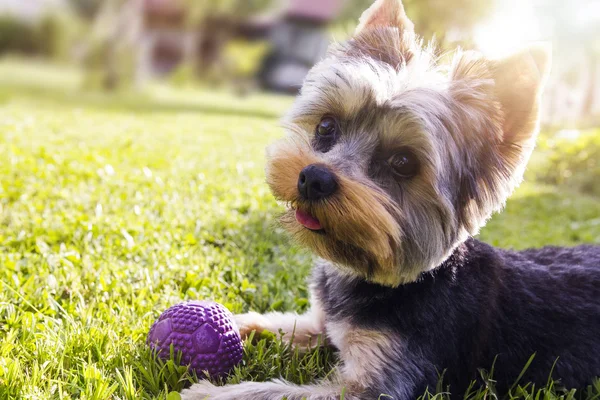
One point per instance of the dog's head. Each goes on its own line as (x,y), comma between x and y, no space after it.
(392,160)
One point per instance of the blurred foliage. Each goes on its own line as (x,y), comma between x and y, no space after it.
(240,63)
(247,56)
(571,160)
(59,33)
(17,36)
(183,75)
(198,10)
(438,18)
(86,8)
(431,17)
(53,36)
(110,59)
(108,66)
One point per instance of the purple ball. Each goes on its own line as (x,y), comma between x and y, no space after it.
(205,334)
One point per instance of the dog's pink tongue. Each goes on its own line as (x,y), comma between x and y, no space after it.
(307,220)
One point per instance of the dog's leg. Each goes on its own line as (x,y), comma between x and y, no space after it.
(303,328)
(373,364)
(273,390)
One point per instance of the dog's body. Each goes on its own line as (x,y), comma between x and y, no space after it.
(390,166)
(480,304)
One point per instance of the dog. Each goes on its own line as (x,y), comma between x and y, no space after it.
(392,163)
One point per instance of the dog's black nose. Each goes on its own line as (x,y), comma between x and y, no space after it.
(316,182)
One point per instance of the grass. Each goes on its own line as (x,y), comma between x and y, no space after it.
(113,209)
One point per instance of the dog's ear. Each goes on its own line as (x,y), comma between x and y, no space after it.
(498,103)
(509,89)
(385,14)
(518,84)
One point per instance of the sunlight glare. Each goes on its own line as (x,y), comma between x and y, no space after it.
(511,26)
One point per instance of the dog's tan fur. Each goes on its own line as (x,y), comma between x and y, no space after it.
(362,217)
(306,330)
(362,351)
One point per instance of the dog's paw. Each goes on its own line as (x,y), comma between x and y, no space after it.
(205,390)
(249,322)
(201,391)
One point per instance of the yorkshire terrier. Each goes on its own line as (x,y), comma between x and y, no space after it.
(392,163)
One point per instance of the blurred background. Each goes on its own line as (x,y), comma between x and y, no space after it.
(230,54)
(250,45)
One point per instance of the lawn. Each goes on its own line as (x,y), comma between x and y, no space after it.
(114,208)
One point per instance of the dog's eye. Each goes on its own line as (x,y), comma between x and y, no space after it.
(327,127)
(404,164)
(326,133)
